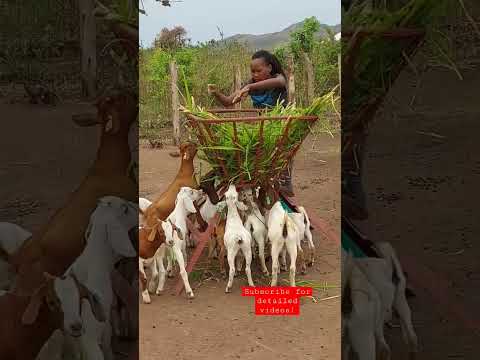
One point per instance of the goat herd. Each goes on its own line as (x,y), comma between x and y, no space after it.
(63,289)
(240,225)
(66,291)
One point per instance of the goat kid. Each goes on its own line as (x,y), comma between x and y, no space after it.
(53,305)
(256,224)
(362,317)
(284,231)
(108,242)
(387,276)
(84,338)
(175,232)
(236,236)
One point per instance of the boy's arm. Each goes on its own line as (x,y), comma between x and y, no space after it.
(225,100)
(277,82)
(273,83)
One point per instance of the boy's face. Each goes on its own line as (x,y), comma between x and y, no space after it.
(260,70)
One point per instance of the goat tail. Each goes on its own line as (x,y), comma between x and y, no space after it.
(387,251)
(285,227)
(240,241)
(302,210)
(397,267)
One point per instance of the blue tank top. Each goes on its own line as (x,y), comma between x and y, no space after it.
(269,97)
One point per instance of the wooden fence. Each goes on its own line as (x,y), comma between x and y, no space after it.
(237,80)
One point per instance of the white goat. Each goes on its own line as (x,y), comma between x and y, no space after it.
(386,276)
(283,231)
(81,334)
(12,237)
(176,234)
(256,224)
(208,210)
(308,236)
(236,236)
(107,242)
(175,222)
(396,280)
(362,324)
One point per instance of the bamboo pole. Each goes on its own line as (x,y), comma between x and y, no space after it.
(310,78)
(291,80)
(88,45)
(238,84)
(175,103)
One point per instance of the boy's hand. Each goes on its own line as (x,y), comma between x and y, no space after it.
(241,94)
(212,89)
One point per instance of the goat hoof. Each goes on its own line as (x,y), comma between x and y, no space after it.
(159,292)
(265,272)
(190,295)
(151,289)
(146,300)
(170,274)
(227,290)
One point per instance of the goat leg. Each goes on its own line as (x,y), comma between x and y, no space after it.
(143,282)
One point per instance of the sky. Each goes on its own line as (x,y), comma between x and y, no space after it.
(201,17)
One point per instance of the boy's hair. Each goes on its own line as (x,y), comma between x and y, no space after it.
(271,60)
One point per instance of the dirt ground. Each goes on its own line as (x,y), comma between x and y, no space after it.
(216,325)
(43,158)
(421,175)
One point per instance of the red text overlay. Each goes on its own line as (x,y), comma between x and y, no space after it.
(277,300)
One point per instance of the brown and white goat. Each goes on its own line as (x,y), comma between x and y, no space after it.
(62,240)
(55,304)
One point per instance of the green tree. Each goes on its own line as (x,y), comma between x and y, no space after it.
(303,39)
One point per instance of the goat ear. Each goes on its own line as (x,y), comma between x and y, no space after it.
(153,232)
(241,206)
(179,234)
(189,205)
(96,306)
(33,308)
(164,225)
(118,238)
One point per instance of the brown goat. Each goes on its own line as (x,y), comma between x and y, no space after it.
(216,242)
(151,235)
(62,239)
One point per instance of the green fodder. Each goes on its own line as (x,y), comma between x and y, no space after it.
(243,151)
(378,57)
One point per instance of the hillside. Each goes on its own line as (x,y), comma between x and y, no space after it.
(272,40)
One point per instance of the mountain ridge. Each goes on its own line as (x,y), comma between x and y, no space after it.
(269,41)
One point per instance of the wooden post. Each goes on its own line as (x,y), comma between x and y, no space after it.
(238,84)
(175,109)
(310,78)
(88,45)
(340,73)
(291,80)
